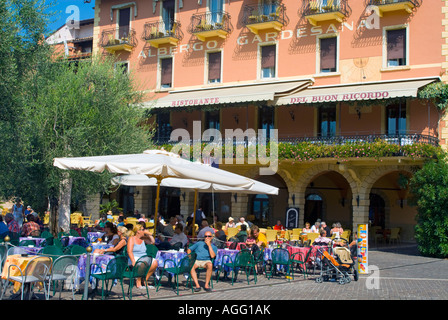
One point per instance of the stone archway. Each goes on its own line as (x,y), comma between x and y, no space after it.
(321,169)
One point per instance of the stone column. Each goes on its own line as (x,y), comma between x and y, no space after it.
(239,205)
(93,206)
(361,206)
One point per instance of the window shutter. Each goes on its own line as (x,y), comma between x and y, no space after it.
(167,71)
(214,66)
(268,57)
(328,53)
(396,44)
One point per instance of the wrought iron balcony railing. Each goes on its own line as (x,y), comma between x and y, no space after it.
(313,7)
(395,5)
(162,29)
(397,139)
(211,23)
(257,14)
(123,38)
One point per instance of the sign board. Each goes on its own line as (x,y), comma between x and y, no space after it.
(362,244)
(292,218)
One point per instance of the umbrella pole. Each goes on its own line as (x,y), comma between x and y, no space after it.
(194,212)
(159,180)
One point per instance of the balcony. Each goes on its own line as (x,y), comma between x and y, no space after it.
(211,24)
(265,17)
(118,39)
(325,10)
(368,146)
(395,5)
(161,32)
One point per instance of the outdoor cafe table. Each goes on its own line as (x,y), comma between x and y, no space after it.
(37,241)
(93,236)
(20,261)
(304,251)
(100,260)
(69,240)
(25,250)
(100,245)
(224,252)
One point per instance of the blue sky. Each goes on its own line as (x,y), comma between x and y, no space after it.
(60,6)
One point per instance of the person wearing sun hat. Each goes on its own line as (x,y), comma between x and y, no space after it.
(231,223)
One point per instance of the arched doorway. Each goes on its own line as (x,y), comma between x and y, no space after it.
(377,211)
(328,197)
(265,210)
(313,208)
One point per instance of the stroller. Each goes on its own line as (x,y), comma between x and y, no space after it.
(339,266)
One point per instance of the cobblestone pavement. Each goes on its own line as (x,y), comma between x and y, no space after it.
(399,273)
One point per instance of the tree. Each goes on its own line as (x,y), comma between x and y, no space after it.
(80,110)
(429,189)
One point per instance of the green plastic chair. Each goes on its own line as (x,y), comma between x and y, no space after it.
(74,233)
(114,271)
(139,270)
(243,260)
(52,251)
(46,234)
(183,267)
(151,250)
(77,250)
(281,256)
(301,262)
(58,243)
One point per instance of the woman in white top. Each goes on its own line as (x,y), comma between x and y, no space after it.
(137,249)
(230,224)
(307,228)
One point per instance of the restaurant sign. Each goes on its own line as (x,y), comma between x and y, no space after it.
(339,97)
(194,102)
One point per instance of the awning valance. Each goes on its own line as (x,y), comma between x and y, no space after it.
(230,94)
(357,92)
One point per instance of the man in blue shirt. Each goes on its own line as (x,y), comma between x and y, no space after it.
(205,252)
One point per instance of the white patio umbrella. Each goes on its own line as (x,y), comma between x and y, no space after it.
(142,180)
(158,164)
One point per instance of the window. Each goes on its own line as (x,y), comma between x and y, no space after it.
(166,73)
(163,132)
(327,121)
(216,10)
(396,47)
(124,18)
(168,14)
(266,120)
(269,6)
(328,54)
(212,120)
(122,67)
(396,119)
(214,67)
(268,61)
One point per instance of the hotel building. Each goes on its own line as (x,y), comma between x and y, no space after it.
(328,73)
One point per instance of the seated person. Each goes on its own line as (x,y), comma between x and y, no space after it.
(307,228)
(260,238)
(205,252)
(220,236)
(205,228)
(322,240)
(111,236)
(117,249)
(241,236)
(102,222)
(137,248)
(179,239)
(279,226)
(30,228)
(162,242)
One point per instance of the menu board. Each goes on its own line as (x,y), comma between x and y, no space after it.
(292,218)
(362,249)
